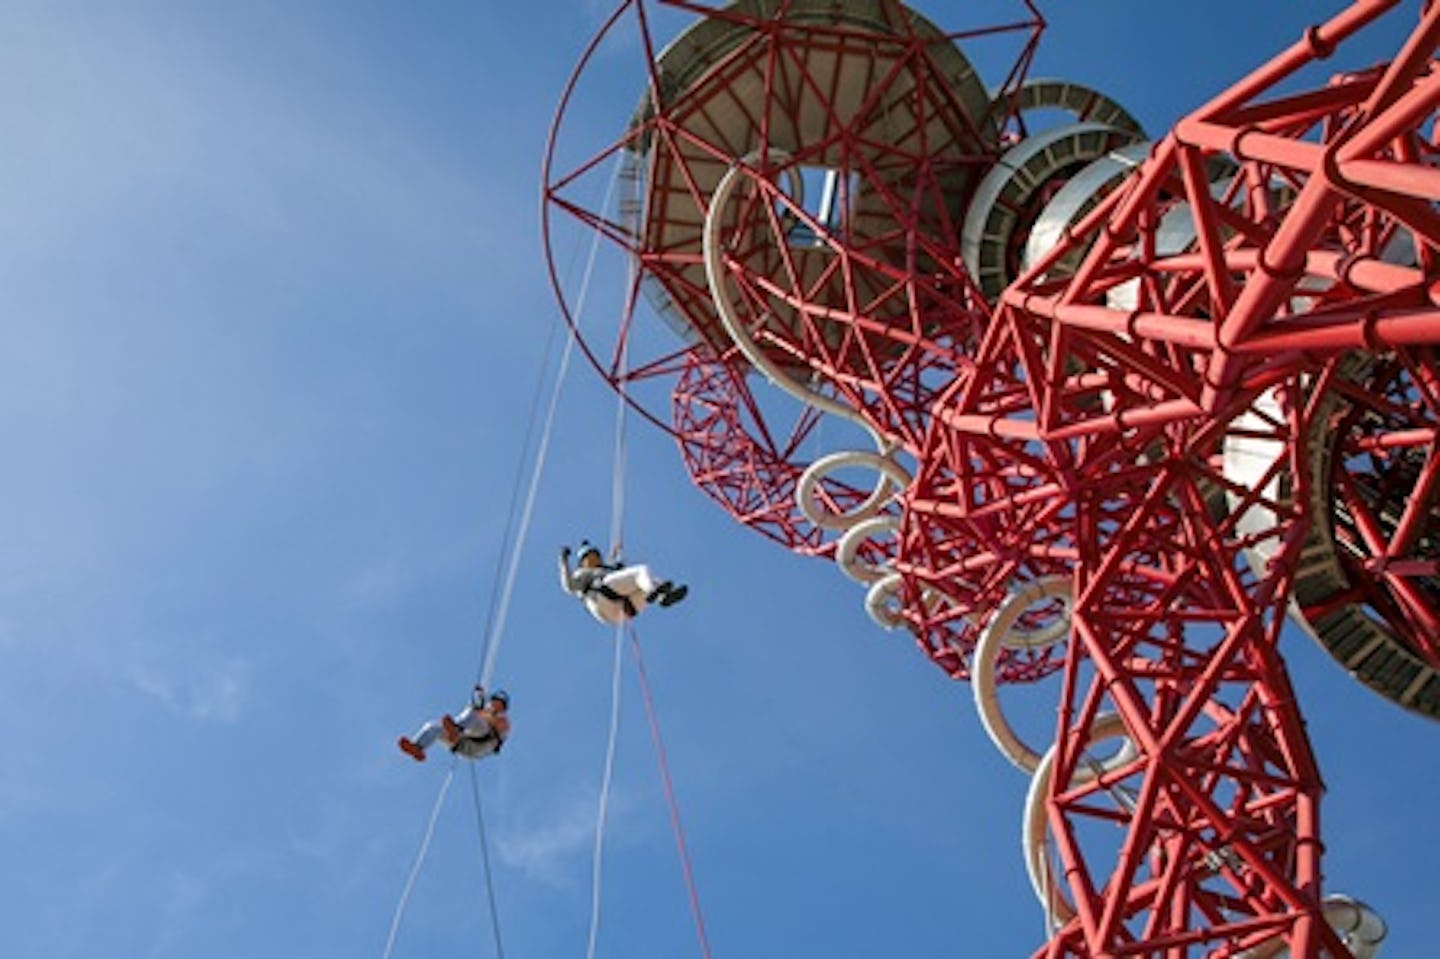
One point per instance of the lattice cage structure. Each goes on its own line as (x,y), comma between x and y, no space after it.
(1114,408)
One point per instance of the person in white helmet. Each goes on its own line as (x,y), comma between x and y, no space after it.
(479,730)
(614,592)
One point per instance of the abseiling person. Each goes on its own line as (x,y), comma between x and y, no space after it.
(614,592)
(479,730)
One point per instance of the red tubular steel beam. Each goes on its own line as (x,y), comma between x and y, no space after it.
(1079,427)
(1318,43)
(1252,145)
(1367,331)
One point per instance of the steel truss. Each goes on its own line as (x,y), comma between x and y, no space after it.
(1216,395)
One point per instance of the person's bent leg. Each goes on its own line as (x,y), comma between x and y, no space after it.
(415,748)
(607,611)
(632,580)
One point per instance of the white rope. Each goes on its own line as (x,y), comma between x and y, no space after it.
(497,632)
(605,781)
(617,478)
(419,861)
(617,520)
(492,648)
(485,861)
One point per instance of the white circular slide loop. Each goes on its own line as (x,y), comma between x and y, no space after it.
(883,603)
(847,553)
(1359,927)
(712,252)
(1033,839)
(893,477)
(1003,632)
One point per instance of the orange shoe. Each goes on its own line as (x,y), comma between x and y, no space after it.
(412,749)
(452,730)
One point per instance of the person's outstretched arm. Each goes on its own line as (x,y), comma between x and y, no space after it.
(567,578)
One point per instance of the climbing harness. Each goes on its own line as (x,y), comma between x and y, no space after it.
(599,588)
(474,747)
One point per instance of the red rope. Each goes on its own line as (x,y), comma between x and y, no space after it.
(670,795)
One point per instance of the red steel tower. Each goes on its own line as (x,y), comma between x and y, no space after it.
(1100,405)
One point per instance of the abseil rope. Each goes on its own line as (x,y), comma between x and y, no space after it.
(617,479)
(597,856)
(485,858)
(674,804)
(617,470)
(496,634)
(617,512)
(493,640)
(503,556)
(500,609)
(419,861)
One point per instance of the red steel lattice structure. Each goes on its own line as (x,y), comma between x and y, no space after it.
(1209,396)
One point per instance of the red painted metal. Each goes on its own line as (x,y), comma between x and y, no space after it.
(1383,480)
(1078,427)
(875,312)
(733,454)
(1121,404)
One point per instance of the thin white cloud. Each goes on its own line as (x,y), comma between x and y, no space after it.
(215,693)
(554,850)
(182,895)
(152,684)
(221,693)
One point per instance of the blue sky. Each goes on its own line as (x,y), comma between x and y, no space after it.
(275,307)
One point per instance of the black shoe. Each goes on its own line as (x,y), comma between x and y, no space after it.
(659,593)
(673,595)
